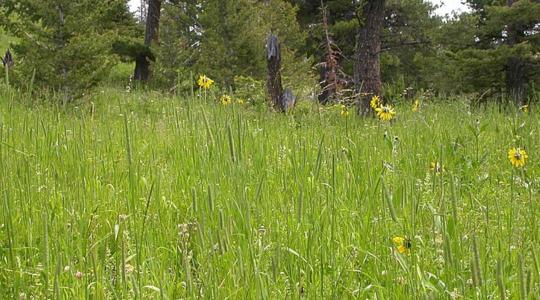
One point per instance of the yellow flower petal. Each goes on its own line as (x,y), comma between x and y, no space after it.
(403,244)
(416,106)
(402,249)
(398,240)
(375,102)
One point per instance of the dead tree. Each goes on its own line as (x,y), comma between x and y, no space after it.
(288,100)
(273,81)
(329,67)
(7,60)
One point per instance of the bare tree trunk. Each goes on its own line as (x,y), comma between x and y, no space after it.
(142,62)
(515,68)
(367,69)
(273,81)
(7,60)
(328,68)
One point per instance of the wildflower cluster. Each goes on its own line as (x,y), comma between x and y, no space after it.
(227,100)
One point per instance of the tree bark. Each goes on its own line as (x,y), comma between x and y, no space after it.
(151,35)
(273,80)
(515,68)
(367,69)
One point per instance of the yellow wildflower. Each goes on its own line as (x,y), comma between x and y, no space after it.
(416,106)
(436,167)
(344,111)
(403,244)
(204,82)
(385,112)
(225,100)
(240,101)
(375,102)
(524,108)
(518,157)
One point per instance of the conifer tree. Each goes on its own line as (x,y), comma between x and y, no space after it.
(179,38)
(505,56)
(65,45)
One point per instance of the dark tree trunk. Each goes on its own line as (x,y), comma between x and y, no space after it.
(515,68)
(273,80)
(515,80)
(142,67)
(367,69)
(151,35)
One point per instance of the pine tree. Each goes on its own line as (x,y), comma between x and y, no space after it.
(177,51)
(367,71)
(505,55)
(65,45)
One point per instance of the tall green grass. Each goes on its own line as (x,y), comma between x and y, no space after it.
(145,196)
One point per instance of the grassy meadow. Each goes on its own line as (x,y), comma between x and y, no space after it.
(140,195)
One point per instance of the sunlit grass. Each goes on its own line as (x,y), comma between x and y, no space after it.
(142,195)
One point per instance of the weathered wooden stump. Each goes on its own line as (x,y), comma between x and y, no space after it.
(273,81)
(279,100)
(7,60)
(288,100)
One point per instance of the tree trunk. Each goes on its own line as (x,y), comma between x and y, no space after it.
(515,68)
(515,80)
(367,69)
(151,35)
(273,80)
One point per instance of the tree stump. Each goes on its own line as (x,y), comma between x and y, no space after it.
(7,60)
(273,81)
(288,100)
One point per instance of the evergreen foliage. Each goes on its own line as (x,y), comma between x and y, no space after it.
(505,55)
(67,46)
